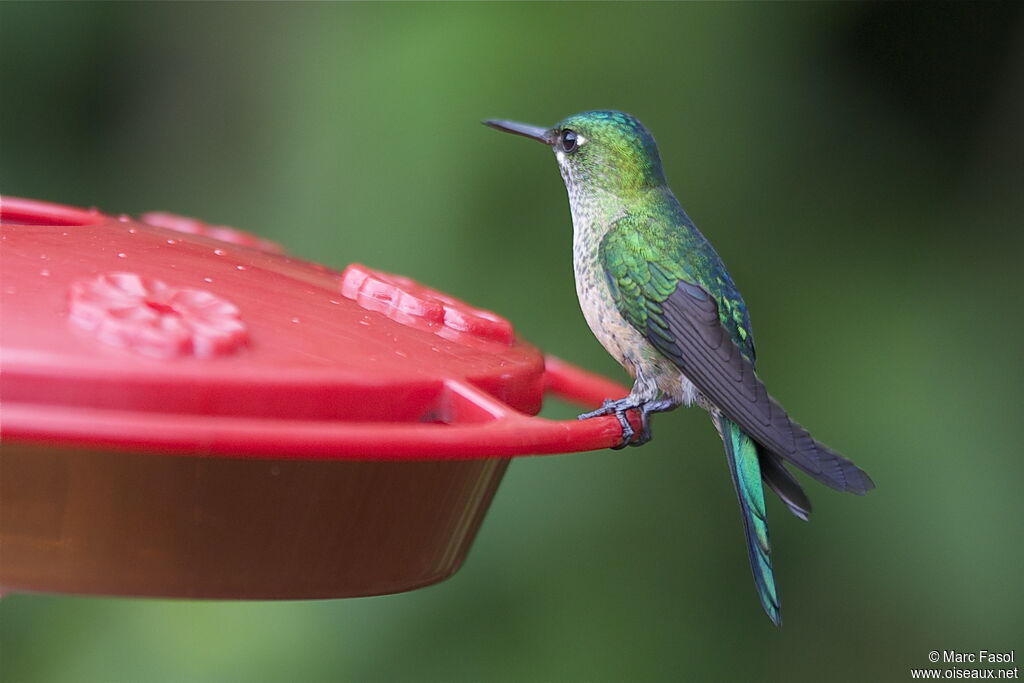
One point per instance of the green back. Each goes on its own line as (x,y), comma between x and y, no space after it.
(652,248)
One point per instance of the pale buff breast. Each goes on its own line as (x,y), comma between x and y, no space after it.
(623,341)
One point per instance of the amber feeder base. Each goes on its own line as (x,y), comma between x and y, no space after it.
(108,523)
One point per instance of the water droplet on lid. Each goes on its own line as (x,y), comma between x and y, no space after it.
(122,255)
(240,267)
(44,257)
(364,322)
(172,241)
(295,320)
(124,218)
(207,279)
(131,231)
(334,302)
(44,272)
(218,252)
(401,354)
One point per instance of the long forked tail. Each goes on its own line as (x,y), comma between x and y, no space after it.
(741,453)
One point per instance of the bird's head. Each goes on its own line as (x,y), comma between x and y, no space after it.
(602,149)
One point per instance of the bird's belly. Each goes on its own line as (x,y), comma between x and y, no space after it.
(625,343)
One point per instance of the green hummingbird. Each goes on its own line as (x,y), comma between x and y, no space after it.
(659,299)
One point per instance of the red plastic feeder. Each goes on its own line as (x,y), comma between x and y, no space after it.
(188,412)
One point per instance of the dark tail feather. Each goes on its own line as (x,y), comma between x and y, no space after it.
(744,465)
(779,479)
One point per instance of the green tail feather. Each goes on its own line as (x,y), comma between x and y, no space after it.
(741,453)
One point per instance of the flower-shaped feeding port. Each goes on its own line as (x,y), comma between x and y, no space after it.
(151,318)
(410,303)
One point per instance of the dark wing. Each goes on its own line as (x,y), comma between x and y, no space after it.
(704,352)
(681,319)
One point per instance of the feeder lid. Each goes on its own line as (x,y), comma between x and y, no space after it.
(166,334)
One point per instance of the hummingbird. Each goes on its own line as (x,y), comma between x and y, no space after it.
(659,299)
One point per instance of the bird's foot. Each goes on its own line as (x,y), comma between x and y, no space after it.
(617,407)
(621,406)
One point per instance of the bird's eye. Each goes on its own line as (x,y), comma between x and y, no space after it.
(568,141)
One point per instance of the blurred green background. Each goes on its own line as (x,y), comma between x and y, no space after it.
(858,166)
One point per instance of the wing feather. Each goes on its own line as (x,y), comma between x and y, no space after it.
(681,318)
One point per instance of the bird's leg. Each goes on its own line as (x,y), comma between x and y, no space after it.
(643,396)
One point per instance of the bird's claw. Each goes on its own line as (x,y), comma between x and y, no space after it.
(627,431)
(609,406)
(620,407)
